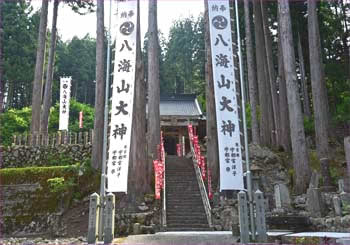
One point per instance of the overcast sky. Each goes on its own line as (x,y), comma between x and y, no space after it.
(71,24)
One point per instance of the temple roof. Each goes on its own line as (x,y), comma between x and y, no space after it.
(179,105)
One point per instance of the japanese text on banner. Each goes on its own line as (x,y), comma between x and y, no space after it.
(122,97)
(65,84)
(230,157)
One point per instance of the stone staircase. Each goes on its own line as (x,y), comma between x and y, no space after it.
(184,205)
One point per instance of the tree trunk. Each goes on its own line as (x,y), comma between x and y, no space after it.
(253,90)
(49,72)
(283,102)
(2,87)
(347,156)
(139,183)
(271,73)
(153,126)
(265,120)
(300,152)
(39,67)
(319,92)
(306,100)
(212,137)
(97,144)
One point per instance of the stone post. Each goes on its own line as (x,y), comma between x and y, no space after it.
(94,210)
(25,138)
(340,185)
(53,140)
(243,217)
(14,140)
(337,206)
(75,138)
(282,197)
(109,218)
(260,220)
(347,156)
(315,204)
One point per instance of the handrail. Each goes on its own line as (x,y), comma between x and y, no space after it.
(164,199)
(202,188)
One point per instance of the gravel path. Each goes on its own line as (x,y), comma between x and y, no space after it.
(161,238)
(179,238)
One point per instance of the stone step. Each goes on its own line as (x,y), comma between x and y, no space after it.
(187,229)
(187,225)
(201,218)
(171,221)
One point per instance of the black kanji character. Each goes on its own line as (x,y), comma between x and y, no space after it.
(65,86)
(113,163)
(234,173)
(215,8)
(121,131)
(226,104)
(124,14)
(114,152)
(227,160)
(113,171)
(233,166)
(232,149)
(118,174)
(124,65)
(119,163)
(227,127)
(226,148)
(123,88)
(114,157)
(125,44)
(131,13)
(228,169)
(121,108)
(227,154)
(224,82)
(222,8)
(220,38)
(222,60)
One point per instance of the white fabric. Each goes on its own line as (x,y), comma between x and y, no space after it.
(230,155)
(122,97)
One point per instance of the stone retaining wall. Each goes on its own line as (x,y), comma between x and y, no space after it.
(26,156)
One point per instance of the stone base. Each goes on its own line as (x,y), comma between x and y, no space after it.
(328,189)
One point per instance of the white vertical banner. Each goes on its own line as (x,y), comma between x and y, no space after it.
(230,155)
(122,97)
(65,85)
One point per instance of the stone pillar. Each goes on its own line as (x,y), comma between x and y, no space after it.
(337,206)
(315,204)
(243,217)
(109,218)
(86,138)
(282,197)
(14,140)
(58,138)
(260,220)
(91,135)
(94,210)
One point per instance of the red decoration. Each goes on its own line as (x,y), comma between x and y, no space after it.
(81,119)
(178,150)
(210,191)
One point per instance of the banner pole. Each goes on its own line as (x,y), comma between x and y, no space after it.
(249,177)
(105,127)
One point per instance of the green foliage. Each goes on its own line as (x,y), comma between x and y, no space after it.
(309,126)
(74,109)
(14,122)
(342,114)
(60,185)
(248,114)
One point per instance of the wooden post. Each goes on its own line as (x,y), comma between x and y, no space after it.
(347,156)
(58,138)
(86,138)
(91,135)
(80,140)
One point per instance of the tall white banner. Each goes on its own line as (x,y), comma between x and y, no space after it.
(122,97)
(230,156)
(65,84)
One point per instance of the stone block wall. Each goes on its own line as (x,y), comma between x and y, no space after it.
(26,156)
